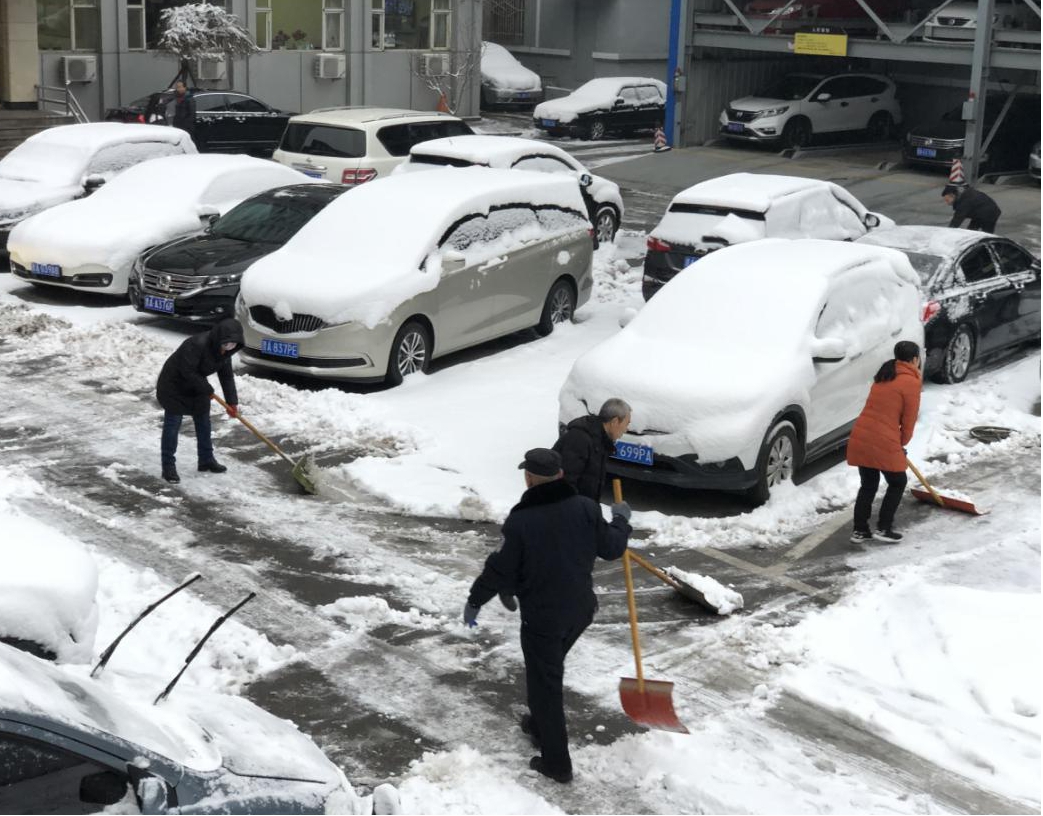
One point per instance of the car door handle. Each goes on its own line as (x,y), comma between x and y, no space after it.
(843,104)
(874,99)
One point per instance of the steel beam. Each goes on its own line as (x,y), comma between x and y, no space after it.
(978,89)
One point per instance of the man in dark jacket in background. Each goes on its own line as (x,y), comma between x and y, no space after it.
(183,388)
(184,110)
(551,539)
(966,202)
(587,443)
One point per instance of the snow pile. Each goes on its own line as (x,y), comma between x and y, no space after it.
(723,599)
(597,94)
(501,70)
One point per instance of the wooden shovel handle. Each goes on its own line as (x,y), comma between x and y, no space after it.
(632,609)
(254,430)
(617,491)
(658,573)
(927,485)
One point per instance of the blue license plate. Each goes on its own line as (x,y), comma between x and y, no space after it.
(735,127)
(280,348)
(159,304)
(688,260)
(926,152)
(313,173)
(548,122)
(523,96)
(638,454)
(47,270)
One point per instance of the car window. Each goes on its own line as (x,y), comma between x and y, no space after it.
(398,139)
(273,219)
(794,86)
(115,158)
(858,310)
(244,104)
(926,266)
(977,265)
(838,88)
(819,214)
(210,103)
(649,95)
(556,221)
(543,164)
(629,97)
(477,233)
(1012,258)
(324,140)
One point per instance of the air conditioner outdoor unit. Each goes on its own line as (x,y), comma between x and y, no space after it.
(209,69)
(434,65)
(330,66)
(79,69)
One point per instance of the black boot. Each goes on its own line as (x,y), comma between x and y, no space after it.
(536,763)
(213,466)
(170,474)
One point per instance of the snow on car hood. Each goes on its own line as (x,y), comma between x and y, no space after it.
(758,103)
(598,94)
(20,199)
(360,257)
(501,70)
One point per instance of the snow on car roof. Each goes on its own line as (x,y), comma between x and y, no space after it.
(360,256)
(608,87)
(747,191)
(943,242)
(362,115)
(91,136)
(495,151)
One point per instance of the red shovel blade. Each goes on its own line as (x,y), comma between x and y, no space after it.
(653,707)
(948,502)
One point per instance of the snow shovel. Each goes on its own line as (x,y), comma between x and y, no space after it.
(932,496)
(300,469)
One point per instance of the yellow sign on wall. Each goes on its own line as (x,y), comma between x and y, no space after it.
(820,45)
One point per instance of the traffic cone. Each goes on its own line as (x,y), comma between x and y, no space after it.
(443,104)
(956,173)
(659,144)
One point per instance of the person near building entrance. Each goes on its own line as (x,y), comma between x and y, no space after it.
(184,109)
(551,540)
(183,388)
(587,443)
(968,203)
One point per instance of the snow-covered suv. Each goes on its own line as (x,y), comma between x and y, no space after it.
(798,106)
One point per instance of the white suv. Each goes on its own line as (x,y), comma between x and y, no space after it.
(355,145)
(799,106)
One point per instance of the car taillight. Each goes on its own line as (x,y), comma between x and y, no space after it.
(141,118)
(655,245)
(360,176)
(930,310)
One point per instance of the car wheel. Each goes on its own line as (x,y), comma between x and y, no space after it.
(777,461)
(958,356)
(410,352)
(797,133)
(606,223)
(596,130)
(557,308)
(880,127)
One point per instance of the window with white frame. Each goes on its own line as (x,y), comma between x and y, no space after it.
(135,25)
(412,24)
(263,27)
(68,25)
(145,20)
(333,25)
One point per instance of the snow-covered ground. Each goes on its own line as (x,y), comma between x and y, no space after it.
(930,653)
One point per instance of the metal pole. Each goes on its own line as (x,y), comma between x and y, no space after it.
(672,60)
(974,107)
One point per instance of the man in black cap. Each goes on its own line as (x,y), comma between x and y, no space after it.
(966,202)
(551,539)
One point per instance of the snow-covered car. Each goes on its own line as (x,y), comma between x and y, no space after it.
(835,14)
(957,22)
(743,207)
(740,374)
(604,105)
(70,161)
(487,253)
(92,243)
(981,294)
(505,81)
(68,742)
(515,153)
(797,107)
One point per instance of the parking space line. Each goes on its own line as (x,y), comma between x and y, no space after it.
(765,572)
(810,542)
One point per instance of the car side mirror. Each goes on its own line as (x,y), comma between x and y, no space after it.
(823,97)
(93,182)
(828,350)
(208,214)
(104,788)
(585,180)
(871,220)
(453,261)
(619,102)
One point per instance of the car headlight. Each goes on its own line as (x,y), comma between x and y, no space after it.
(136,269)
(223,280)
(762,114)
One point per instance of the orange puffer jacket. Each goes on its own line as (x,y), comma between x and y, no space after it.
(886,424)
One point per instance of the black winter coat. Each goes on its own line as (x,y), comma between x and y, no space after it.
(550,541)
(185,113)
(182,387)
(584,449)
(976,206)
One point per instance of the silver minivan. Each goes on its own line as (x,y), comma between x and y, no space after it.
(412,267)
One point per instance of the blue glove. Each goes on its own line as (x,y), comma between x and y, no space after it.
(621,509)
(471,615)
(509,601)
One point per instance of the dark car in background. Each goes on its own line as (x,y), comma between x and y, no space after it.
(981,294)
(197,278)
(938,143)
(622,105)
(226,121)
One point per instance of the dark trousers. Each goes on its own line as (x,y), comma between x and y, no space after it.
(545,653)
(983,224)
(896,482)
(171,429)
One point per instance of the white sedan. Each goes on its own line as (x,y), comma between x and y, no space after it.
(514,153)
(505,81)
(92,243)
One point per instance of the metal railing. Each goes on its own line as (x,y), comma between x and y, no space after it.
(60,100)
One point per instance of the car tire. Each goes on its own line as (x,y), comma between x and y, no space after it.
(880,127)
(559,307)
(410,352)
(957,357)
(797,133)
(777,462)
(606,224)
(596,130)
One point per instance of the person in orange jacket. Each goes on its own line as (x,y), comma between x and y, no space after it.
(878,440)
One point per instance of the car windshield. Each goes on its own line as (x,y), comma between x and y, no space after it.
(794,86)
(440,161)
(45,162)
(925,265)
(686,225)
(270,219)
(324,140)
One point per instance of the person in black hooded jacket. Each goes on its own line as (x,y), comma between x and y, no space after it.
(183,388)
(968,203)
(587,443)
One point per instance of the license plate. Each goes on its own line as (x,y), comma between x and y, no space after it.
(548,122)
(280,348)
(313,173)
(735,127)
(926,152)
(638,454)
(688,260)
(523,96)
(159,304)
(47,270)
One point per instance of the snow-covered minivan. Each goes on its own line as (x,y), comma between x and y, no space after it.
(756,365)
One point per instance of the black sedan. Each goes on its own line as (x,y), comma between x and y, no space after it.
(226,121)
(197,278)
(981,294)
(607,104)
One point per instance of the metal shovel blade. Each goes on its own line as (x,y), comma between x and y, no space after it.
(948,502)
(652,706)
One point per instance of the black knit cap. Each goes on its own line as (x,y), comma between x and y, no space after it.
(541,462)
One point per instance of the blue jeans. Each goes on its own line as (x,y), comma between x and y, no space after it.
(171,428)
